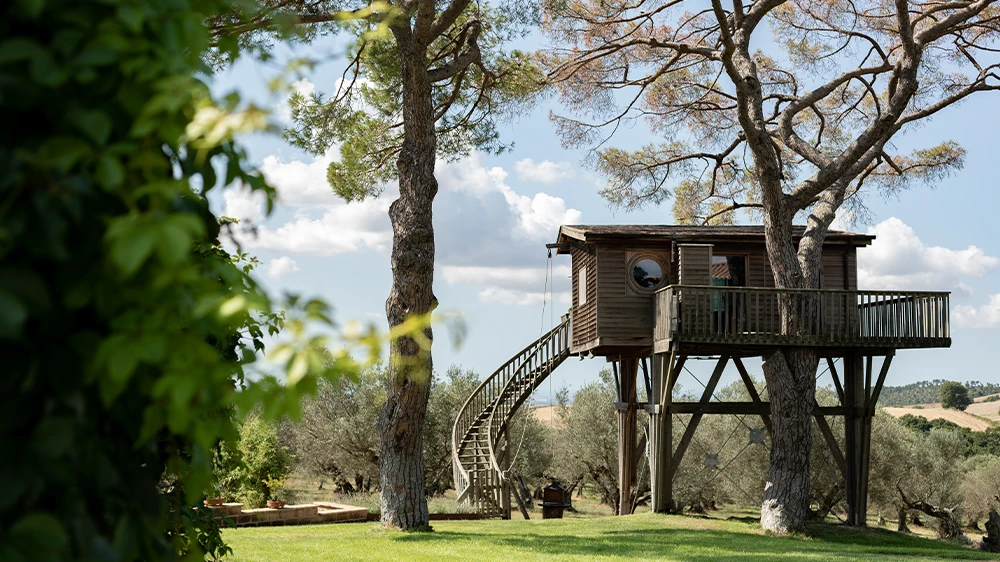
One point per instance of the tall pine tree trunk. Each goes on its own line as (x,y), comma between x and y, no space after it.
(401,421)
(791,383)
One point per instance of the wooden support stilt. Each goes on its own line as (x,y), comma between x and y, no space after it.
(854,440)
(627,373)
(766,418)
(667,449)
(836,379)
(660,365)
(706,397)
(504,483)
(877,390)
(831,442)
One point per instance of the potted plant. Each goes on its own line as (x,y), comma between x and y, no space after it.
(276,492)
(217,495)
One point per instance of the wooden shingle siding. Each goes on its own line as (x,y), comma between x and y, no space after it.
(624,315)
(585,315)
(695,264)
(617,314)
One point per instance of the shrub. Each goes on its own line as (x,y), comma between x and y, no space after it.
(265,465)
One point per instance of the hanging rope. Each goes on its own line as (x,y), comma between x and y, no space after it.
(546,296)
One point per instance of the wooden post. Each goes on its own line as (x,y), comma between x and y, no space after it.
(668,436)
(706,397)
(854,440)
(662,365)
(627,408)
(503,482)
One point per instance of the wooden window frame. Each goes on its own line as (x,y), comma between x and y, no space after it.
(630,266)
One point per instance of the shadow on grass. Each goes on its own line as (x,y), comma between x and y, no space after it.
(824,542)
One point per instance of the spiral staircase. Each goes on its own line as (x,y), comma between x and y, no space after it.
(481,446)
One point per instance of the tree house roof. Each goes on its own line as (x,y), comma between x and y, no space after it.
(689,233)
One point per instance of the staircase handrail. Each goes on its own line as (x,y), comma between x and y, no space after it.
(518,374)
(476,395)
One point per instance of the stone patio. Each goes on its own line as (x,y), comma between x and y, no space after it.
(305,514)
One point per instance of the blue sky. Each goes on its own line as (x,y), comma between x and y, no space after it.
(494,215)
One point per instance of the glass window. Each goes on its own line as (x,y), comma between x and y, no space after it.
(647,273)
(729,271)
(582,287)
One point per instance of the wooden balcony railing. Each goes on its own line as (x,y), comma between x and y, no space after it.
(750,315)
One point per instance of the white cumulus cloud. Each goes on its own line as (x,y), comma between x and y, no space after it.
(487,234)
(545,171)
(898,259)
(985,316)
(523,298)
(279,268)
(342,228)
(243,204)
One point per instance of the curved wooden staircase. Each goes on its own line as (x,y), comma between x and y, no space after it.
(481,447)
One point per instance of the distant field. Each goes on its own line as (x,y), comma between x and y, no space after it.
(548,415)
(971,418)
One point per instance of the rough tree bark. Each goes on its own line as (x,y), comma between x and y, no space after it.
(901,526)
(401,420)
(790,376)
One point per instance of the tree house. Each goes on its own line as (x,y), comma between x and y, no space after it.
(651,296)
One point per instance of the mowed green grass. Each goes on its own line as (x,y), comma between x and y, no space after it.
(644,536)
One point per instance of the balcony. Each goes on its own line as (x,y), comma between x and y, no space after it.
(749,316)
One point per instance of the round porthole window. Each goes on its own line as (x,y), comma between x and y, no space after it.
(647,274)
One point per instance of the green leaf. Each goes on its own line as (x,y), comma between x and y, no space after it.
(13,313)
(52,437)
(175,239)
(110,173)
(32,8)
(64,152)
(46,71)
(298,368)
(131,16)
(96,125)
(131,250)
(41,531)
(19,49)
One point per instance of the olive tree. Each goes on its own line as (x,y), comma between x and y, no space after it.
(980,488)
(423,80)
(787,108)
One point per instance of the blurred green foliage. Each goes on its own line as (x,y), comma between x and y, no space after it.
(125,328)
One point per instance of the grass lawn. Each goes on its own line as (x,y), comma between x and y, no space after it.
(645,536)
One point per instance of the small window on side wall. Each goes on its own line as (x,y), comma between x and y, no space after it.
(582,293)
(647,274)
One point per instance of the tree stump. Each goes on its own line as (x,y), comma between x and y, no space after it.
(991,542)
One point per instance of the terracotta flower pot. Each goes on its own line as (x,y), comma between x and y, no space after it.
(215,501)
(275,504)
